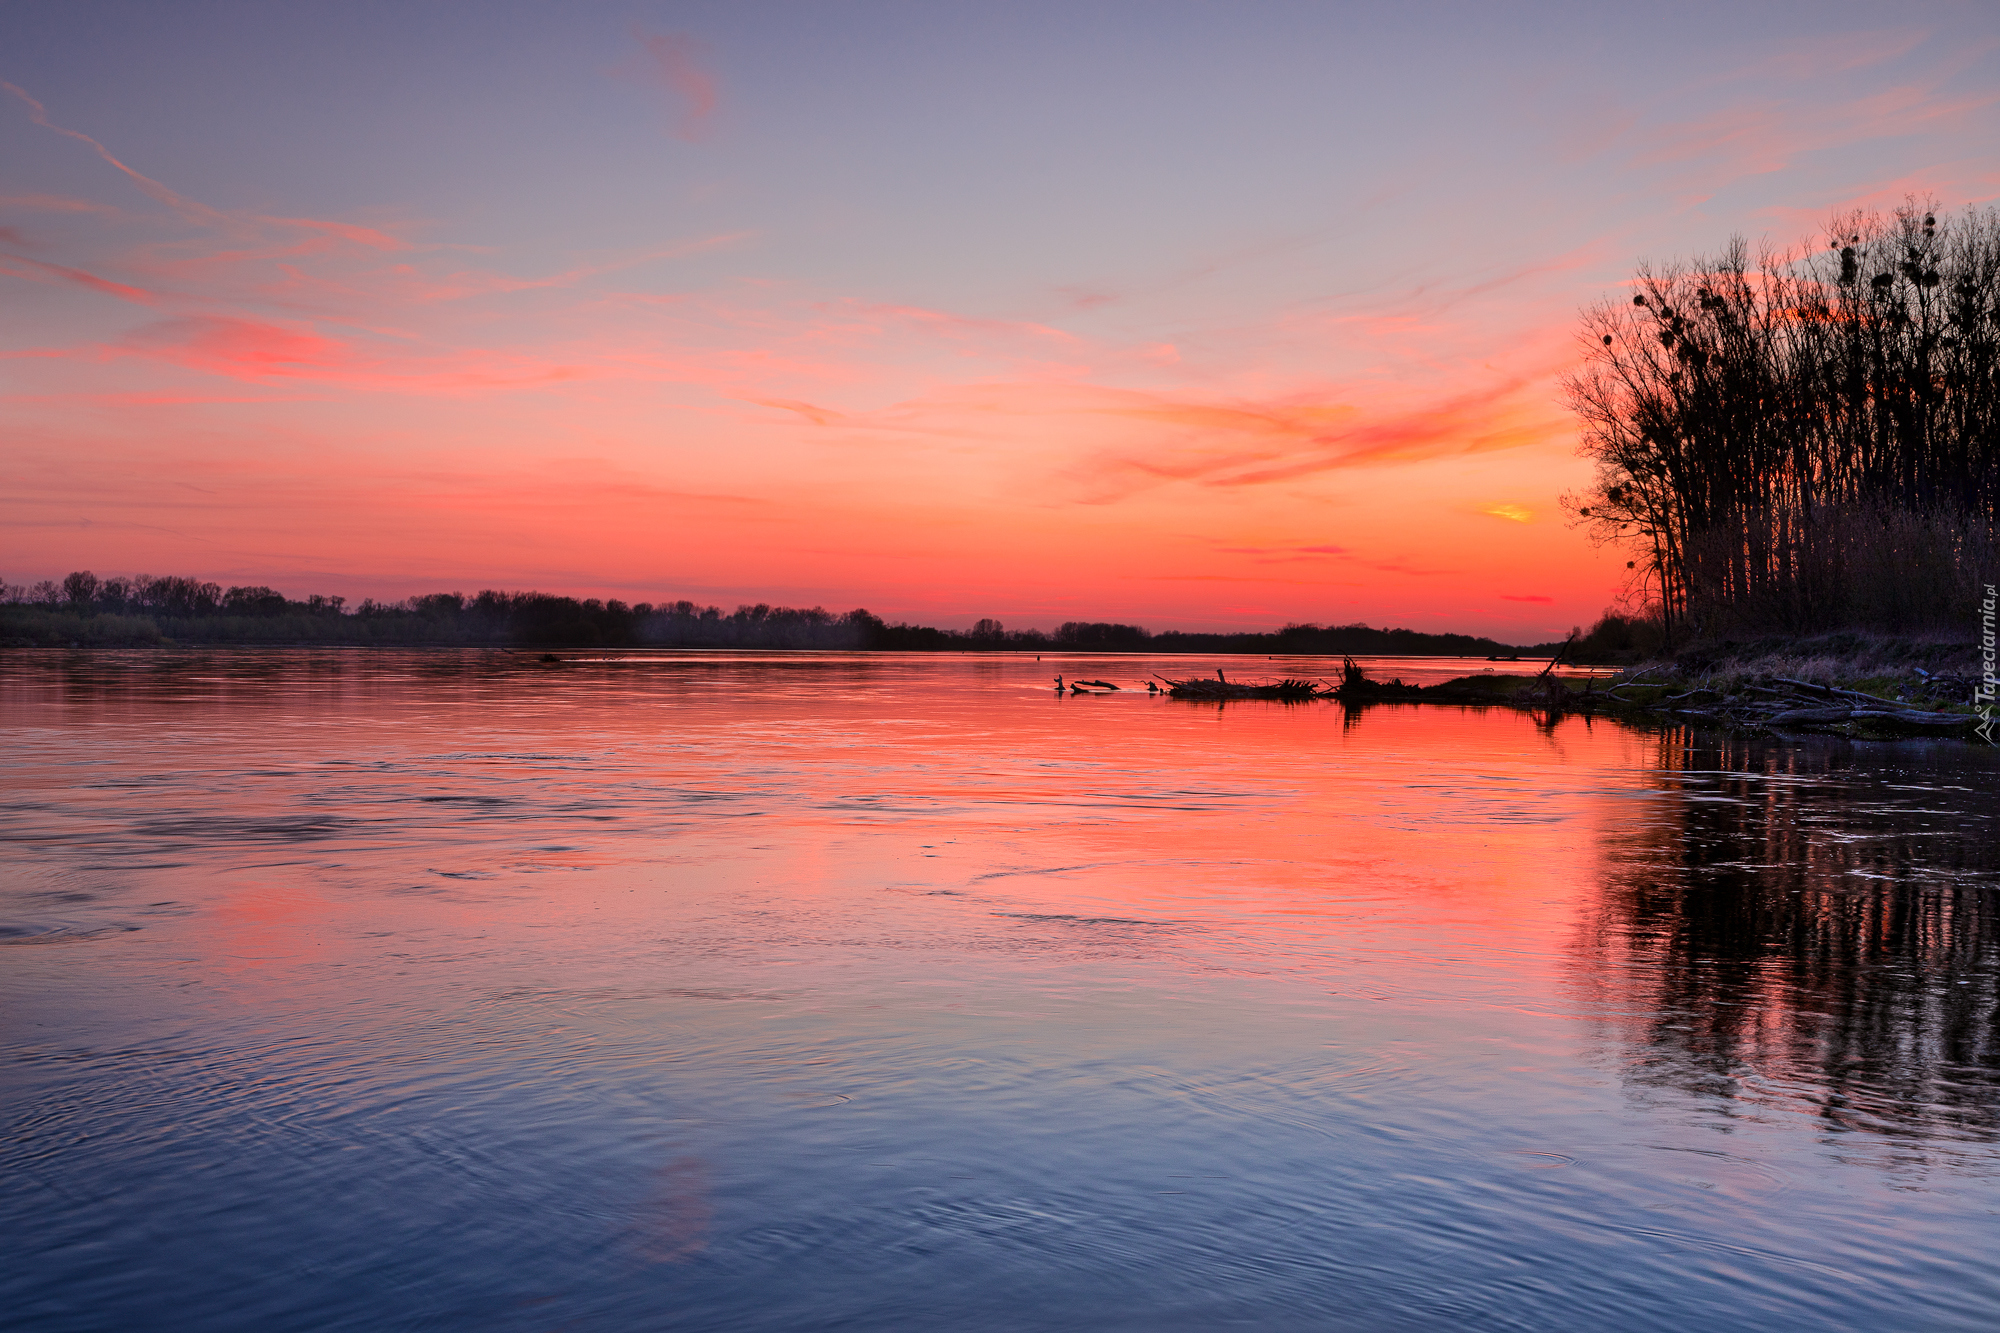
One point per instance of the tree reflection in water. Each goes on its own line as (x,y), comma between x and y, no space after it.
(1808,928)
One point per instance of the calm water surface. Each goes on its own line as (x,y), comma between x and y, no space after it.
(435,991)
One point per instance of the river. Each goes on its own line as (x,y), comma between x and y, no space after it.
(435,990)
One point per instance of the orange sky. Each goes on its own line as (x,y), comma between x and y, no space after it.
(959,324)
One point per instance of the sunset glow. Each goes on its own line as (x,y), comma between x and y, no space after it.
(1188,317)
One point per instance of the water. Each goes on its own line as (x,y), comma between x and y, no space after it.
(439,991)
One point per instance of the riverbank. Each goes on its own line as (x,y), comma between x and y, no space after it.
(1866,686)
(1871,673)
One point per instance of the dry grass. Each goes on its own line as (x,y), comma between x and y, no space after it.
(1935,671)
(1833,659)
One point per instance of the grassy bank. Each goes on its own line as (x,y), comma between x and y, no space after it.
(1859,686)
(1853,683)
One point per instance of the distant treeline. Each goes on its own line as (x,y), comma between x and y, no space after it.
(88,611)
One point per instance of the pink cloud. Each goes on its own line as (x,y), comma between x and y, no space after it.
(55,203)
(1530,597)
(370,237)
(1231,445)
(19,266)
(1284,550)
(1811,58)
(1086,298)
(1759,137)
(948,324)
(239,348)
(671,63)
(1408,567)
(819,416)
(258,351)
(408,282)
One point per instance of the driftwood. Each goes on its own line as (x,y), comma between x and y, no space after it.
(1915,720)
(1561,653)
(1201,687)
(1833,693)
(1795,716)
(1810,706)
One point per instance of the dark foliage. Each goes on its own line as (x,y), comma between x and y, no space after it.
(1809,442)
(1085,636)
(84,609)
(1336,640)
(1618,638)
(258,601)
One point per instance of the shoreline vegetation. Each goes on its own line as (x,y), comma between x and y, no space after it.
(1737,697)
(1743,696)
(1800,454)
(1853,683)
(83,611)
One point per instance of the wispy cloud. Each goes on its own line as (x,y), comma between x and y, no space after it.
(672,62)
(1763,133)
(186,207)
(19,266)
(55,203)
(819,416)
(240,348)
(1810,58)
(1243,444)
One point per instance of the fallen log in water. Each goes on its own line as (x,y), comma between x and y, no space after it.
(1201,687)
(1830,692)
(1903,719)
(1793,717)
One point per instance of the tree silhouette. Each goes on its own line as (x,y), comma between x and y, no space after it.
(1809,441)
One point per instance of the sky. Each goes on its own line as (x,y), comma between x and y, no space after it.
(1189,315)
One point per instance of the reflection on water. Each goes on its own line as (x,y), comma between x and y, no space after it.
(1812,928)
(442,990)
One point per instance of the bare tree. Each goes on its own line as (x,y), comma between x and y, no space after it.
(80,588)
(1805,441)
